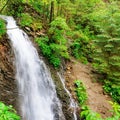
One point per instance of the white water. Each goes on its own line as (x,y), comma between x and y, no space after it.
(38,98)
(73,105)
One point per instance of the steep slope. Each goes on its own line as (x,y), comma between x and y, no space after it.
(97,100)
(8,87)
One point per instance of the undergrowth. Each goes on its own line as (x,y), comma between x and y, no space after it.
(7,112)
(54,45)
(112,90)
(2,28)
(86,113)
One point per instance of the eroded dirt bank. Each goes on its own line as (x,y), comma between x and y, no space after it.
(97,100)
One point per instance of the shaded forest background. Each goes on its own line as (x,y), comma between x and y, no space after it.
(88,30)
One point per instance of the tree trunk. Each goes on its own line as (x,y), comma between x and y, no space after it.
(52,11)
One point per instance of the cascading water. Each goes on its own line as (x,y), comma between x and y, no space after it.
(73,104)
(38,99)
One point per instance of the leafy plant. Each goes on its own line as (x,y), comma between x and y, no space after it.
(47,51)
(55,60)
(80,47)
(87,114)
(80,92)
(113,90)
(57,31)
(2,27)
(116,108)
(7,113)
(14,8)
(54,46)
(26,20)
(42,42)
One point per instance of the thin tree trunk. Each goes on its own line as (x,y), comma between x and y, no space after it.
(44,18)
(58,10)
(52,11)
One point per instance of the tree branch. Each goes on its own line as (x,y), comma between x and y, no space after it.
(4,6)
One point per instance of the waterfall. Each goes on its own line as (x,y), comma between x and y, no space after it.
(38,99)
(73,105)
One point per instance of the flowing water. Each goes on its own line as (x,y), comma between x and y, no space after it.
(38,99)
(73,105)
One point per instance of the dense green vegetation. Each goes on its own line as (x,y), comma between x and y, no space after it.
(7,113)
(88,30)
(2,28)
(54,46)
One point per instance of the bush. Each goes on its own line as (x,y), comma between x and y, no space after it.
(54,47)
(80,47)
(42,42)
(87,114)
(55,60)
(7,113)
(80,92)
(25,20)
(14,7)
(113,90)
(48,52)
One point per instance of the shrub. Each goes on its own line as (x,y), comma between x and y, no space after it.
(87,114)
(113,90)
(14,7)
(80,92)
(80,47)
(48,52)
(54,46)
(42,42)
(55,60)
(7,113)
(25,20)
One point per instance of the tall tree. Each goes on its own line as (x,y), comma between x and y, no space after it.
(52,11)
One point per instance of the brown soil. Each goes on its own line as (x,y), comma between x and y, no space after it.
(97,100)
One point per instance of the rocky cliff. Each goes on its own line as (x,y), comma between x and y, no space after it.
(8,87)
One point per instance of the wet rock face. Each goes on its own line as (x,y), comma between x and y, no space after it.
(62,95)
(8,87)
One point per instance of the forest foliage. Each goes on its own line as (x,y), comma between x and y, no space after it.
(7,112)
(88,30)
